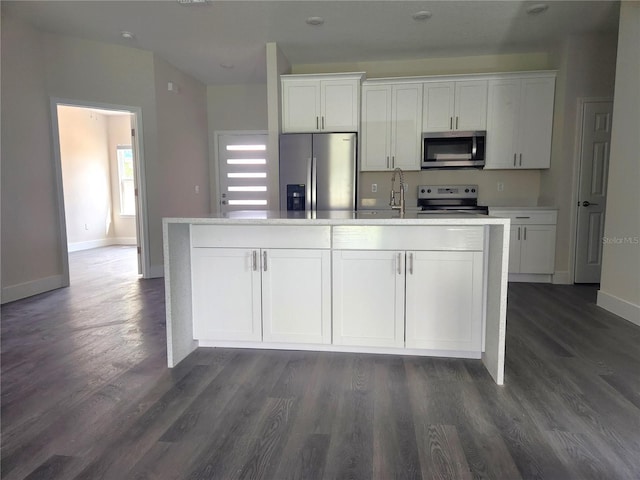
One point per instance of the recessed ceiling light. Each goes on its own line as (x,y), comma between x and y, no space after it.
(421,15)
(127,35)
(227,65)
(537,8)
(315,20)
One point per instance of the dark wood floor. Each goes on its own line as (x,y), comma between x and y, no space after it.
(86,395)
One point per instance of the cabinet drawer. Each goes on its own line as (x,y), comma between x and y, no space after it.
(408,237)
(527,217)
(261,236)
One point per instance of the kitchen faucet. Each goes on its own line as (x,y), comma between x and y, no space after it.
(392,202)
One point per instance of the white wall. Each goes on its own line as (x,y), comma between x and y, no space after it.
(30,235)
(620,283)
(84,156)
(586,68)
(38,66)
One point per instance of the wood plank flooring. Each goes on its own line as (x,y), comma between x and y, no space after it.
(86,395)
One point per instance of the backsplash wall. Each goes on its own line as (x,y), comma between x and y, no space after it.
(519,188)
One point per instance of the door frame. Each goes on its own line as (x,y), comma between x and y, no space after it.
(142,222)
(575,184)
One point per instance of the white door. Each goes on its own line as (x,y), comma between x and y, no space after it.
(592,195)
(535,123)
(376,134)
(300,106)
(226,294)
(538,247)
(339,105)
(406,126)
(444,301)
(296,296)
(242,172)
(502,123)
(471,105)
(368,298)
(438,106)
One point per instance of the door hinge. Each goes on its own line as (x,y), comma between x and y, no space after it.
(135,192)
(133,132)
(139,250)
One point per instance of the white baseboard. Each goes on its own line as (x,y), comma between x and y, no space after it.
(529,277)
(89,244)
(627,310)
(34,287)
(101,242)
(561,278)
(156,271)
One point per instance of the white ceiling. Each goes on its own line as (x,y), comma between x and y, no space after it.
(198,39)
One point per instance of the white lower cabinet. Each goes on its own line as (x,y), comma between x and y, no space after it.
(444,300)
(275,295)
(532,243)
(368,298)
(418,299)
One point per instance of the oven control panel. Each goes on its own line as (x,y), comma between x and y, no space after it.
(448,191)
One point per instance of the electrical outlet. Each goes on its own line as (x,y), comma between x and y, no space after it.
(500,186)
(374,187)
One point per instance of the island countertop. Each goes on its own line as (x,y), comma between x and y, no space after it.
(339,217)
(455,236)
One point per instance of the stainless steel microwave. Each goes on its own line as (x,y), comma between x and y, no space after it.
(453,149)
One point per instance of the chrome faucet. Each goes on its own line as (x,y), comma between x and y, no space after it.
(392,201)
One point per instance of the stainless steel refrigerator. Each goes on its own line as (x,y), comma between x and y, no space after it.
(318,171)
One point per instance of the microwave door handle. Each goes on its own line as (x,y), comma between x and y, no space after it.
(474,148)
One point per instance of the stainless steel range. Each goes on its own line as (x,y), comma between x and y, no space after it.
(449,199)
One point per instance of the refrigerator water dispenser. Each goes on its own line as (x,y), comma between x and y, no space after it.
(295,197)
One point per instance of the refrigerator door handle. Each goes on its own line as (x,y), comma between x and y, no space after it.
(314,184)
(309,188)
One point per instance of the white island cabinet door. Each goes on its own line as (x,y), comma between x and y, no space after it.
(444,301)
(296,296)
(368,298)
(226,294)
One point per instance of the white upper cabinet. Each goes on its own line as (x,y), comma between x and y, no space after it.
(460,105)
(320,103)
(520,122)
(391,126)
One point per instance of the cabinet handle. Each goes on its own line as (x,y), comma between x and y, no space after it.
(399,265)
(523,217)
(450,123)
(514,159)
(520,159)
(387,161)
(525,233)
(254,260)
(411,263)
(317,122)
(264,260)
(456,123)
(323,122)
(393,161)
(519,233)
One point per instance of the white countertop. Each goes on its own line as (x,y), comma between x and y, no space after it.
(338,217)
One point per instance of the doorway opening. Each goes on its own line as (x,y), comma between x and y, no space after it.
(98,159)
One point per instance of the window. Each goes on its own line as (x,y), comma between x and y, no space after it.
(243,172)
(125,180)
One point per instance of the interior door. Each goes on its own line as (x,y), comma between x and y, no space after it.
(592,194)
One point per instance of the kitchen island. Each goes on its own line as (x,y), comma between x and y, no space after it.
(367,282)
